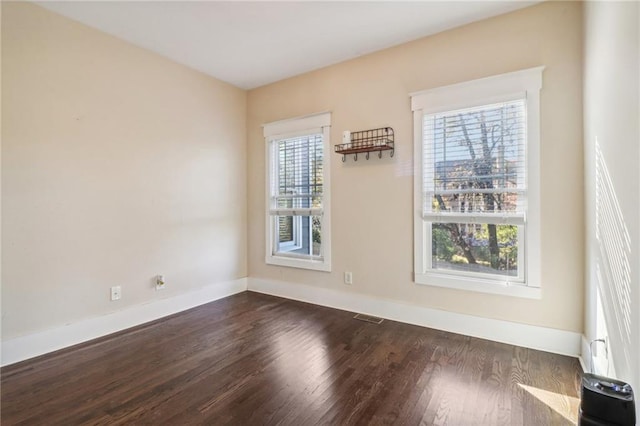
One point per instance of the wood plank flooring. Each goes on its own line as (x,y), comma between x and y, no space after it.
(253,359)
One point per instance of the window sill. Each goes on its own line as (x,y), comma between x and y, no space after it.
(287,248)
(314,265)
(479,285)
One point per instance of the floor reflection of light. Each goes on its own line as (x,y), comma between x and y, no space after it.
(302,372)
(566,406)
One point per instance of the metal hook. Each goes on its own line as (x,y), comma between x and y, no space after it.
(379,154)
(344,158)
(355,157)
(392,151)
(367,155)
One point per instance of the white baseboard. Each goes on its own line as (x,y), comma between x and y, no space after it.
(35,344)
(529,336)
(542,338)
(585,362)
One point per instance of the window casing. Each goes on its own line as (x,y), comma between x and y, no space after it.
(476,184)
(298,225)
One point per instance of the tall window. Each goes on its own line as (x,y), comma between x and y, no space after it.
(298,224)
(476,225)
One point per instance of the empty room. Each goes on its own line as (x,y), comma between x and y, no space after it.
(336,213)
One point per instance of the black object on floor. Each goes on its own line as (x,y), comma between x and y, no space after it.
(606,401)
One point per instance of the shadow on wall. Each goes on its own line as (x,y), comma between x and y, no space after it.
(613,267)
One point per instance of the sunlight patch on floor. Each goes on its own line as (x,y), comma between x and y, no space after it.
(566,406)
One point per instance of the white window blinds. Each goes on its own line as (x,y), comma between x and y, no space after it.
(474,164)
(297,176)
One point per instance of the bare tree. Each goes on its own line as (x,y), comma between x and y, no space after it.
(488,137)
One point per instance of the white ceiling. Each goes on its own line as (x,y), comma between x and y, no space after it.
(250,44)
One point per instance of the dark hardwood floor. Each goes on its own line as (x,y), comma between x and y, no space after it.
(253,359)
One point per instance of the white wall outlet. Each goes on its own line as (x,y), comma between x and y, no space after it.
(348,278)
(116,293)
(160,283)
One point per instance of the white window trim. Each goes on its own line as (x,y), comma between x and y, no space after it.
(500,88)
(316,123)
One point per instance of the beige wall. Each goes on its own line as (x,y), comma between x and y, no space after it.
(612,148)
(117,165)
(372,201)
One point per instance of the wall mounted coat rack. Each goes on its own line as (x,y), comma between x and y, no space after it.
(366,141)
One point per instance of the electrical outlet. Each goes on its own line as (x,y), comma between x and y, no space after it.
(116,293)
(160,283)
(600,348)
(348,278)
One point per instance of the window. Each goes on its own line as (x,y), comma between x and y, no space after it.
(476,184)
(298,221)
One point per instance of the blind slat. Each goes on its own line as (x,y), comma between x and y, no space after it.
(294,196)
(295,212)
(476,191)
(496,219)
